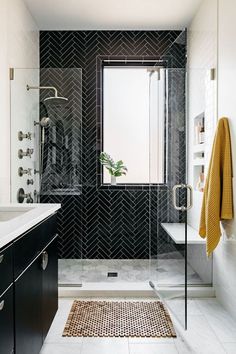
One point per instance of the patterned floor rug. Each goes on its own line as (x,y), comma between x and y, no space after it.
(119,319)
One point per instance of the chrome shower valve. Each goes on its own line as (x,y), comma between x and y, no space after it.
(22,136)
(21,196)
(22,172)
(22,153)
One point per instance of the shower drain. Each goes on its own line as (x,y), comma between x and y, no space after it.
(112,274)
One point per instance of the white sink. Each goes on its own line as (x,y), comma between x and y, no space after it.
(9,213)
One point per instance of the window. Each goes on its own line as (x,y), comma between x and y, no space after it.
(133,121)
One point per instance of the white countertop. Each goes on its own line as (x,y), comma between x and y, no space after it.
(177,232)
(16,226)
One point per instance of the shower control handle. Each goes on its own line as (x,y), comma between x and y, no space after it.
(44,263)
(30,181)
(22,136)
(22,172)
(22,153)
(21,196)
(1,305)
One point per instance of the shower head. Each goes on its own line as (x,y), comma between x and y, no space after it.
(44,122)
(52,100)
(55,100)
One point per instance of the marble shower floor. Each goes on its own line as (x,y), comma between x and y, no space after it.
(163,271)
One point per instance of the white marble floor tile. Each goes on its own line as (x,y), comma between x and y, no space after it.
(210,330)
(61,348)
(153,348)
(105,346)
(64,305)
(55,332)
(230,348)
(151,340)
(178,306)
(219,319)
(199,338)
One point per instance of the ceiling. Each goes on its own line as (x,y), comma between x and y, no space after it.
(112,14)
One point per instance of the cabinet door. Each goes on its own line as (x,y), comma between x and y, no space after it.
(50,285)
(28,304)
(6,322)
(6,270)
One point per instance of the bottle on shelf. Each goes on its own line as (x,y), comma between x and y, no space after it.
(197,132)
(201,135)
(200,183)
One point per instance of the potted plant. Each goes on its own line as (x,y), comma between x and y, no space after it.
(116,169)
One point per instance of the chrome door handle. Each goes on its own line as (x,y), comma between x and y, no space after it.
(174,190)
(189,197)
(1,305)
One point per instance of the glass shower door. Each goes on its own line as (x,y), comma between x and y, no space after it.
(169,201)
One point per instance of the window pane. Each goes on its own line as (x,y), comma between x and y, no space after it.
(126,123)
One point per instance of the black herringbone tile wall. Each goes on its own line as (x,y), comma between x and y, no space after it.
(113,222)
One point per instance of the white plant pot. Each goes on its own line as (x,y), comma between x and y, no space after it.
(113,180)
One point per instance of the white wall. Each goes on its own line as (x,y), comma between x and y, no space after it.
(202,95)
(225,254)
(19,38)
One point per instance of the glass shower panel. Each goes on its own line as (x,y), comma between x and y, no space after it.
(24,112)
(177,253)
(62,164)
(46,158)
(168,223)
(63,141)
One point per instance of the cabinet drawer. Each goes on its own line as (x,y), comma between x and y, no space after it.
(6,271)
(6,322)
(32,243)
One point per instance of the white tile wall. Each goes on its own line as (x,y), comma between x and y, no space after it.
(202,95)
(225,254)
(19,38)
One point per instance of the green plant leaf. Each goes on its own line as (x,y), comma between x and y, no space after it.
(116,169)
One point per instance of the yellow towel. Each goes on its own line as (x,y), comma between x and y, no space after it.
(218,196)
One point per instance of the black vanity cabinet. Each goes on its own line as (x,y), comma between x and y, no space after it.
(30,300)
(6,322)
(36,286)
(6,302)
